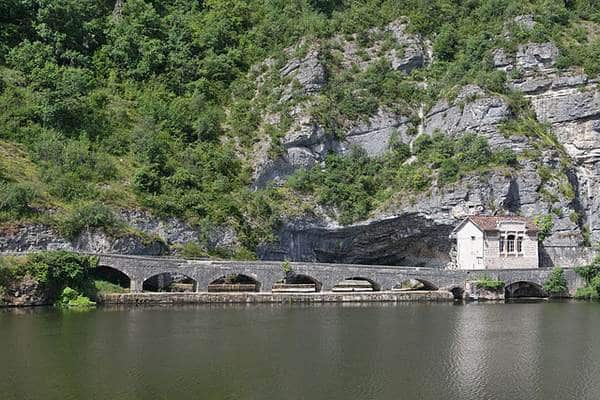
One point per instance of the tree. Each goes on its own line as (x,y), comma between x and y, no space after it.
(556,284)
(445,44)
(590,271)
(545,224)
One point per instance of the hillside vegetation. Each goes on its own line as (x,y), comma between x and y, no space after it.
(112,104)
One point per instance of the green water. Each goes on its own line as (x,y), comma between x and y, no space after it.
(408,351)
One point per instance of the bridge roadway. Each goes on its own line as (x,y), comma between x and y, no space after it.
(140,268)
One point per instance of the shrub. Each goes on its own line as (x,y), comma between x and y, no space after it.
(54,271)
(586,293)
(556,284)
(445,44)
(71,298)
(287,269)
(86,216)
(545,224)
(486,282)
(595,284)
(590,271)
(57,269)
(105,287)
(449,171)
(355,184)
(16,198)
(506,156)
(193,250)
(147,179)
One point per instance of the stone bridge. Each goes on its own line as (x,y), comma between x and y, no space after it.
(266,273)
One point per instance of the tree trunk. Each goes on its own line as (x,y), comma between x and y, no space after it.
(118,9)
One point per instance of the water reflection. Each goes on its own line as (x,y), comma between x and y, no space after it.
(365,351)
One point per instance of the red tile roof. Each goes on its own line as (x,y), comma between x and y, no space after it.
(490,223)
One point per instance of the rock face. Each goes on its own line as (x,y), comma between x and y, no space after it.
(410,53)
(308,71)
(307,142)
(30,238)
(25,292)
(410,239)
(418,234)
(38,237)
(156,237)
(475,111)
(570,103)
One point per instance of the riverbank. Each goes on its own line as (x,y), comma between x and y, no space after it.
(266,297)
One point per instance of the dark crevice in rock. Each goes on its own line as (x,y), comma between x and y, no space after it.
(410,240)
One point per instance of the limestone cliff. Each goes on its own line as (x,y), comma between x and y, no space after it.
(411,228)
(415,231)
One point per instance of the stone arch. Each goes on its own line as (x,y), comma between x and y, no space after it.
(234,282)
(415,284)
(458,292)
(169,282)
(112,275)
(524,289)
(357,284)
(302,279)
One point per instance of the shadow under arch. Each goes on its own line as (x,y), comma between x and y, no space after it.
(357,284)
(415,284)
(302,279)
(169,282)
(457,292)
(524,289)
(112,275)
(234,283)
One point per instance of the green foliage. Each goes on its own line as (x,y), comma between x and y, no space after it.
(587,293)
(556,284)
(53,271)
(445,45)
(286,267)
(155,107)
(486,282)
(86,216)
(353,94)
(105,287)
(71,298)
(58,269)
(590,271)
(591,274)
(193,250)
(545,224)
(16,198)
(355,184)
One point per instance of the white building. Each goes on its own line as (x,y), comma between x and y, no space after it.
(498,242)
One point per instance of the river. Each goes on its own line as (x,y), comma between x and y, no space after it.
(546,350)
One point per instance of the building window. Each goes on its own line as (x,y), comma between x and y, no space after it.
(501,244)
(510,243)
(519,244)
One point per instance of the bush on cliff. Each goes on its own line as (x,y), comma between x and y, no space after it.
(88,216)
